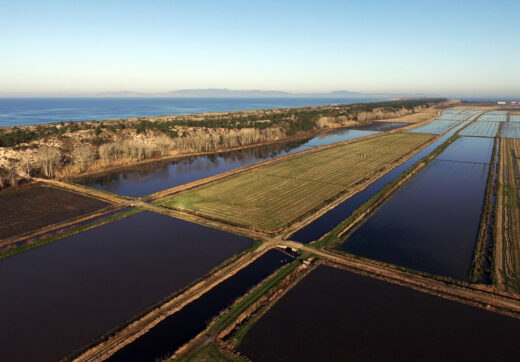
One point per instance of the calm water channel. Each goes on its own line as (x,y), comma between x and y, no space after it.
(57,298)
(432,223)
(153,177)
(169,335)
(335,315)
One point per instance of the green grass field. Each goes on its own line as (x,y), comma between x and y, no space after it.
(271,197)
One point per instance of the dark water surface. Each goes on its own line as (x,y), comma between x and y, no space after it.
(28,111)
(328,221)
(169,335)
(153,177)
(432,223)
(335,315)
(58,298)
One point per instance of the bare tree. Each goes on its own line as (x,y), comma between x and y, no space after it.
(49,157)
(27,166)
(3,173)
(105,152)
(163,145)
(83,156)
(11,172)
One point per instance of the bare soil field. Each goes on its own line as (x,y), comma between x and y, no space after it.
(31,207)
(270,197)
(507,238)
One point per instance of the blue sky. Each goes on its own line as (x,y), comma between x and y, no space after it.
(465,48)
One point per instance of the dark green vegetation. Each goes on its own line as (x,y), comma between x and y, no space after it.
(292,120)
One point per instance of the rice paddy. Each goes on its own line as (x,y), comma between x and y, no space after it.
(481,129)
(456,114)
(436,127)
(510,130)
(273,196)
(493,116)
(514,117)
(448,119)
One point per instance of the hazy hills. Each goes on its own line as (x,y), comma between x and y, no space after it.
(230,93)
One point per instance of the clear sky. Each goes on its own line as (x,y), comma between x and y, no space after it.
(448,47)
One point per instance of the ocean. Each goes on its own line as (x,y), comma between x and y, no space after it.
(32,111)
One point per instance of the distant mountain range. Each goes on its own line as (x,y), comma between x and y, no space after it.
(254,93)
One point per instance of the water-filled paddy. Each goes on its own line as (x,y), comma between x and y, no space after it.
(481,129)
(58,298)
(435,127)
(169,335)
(468,149)
(493,116)
(153,177)
(334,315)
(431,224)
(510,130)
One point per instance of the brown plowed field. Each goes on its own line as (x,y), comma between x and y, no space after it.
(34,206)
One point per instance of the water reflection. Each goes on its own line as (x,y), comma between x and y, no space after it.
(152,177)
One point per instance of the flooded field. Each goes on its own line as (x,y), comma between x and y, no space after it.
(31,207)
(153,177)
(481,129)
(468,149)
(372,320)
(511,130)
(82,286)
(169,335)
(432,223)
(493,116)
(332,218)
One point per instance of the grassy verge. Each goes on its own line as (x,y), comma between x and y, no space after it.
(69,232)
(249,299)
(476,269)
(212,352)
(227,319)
